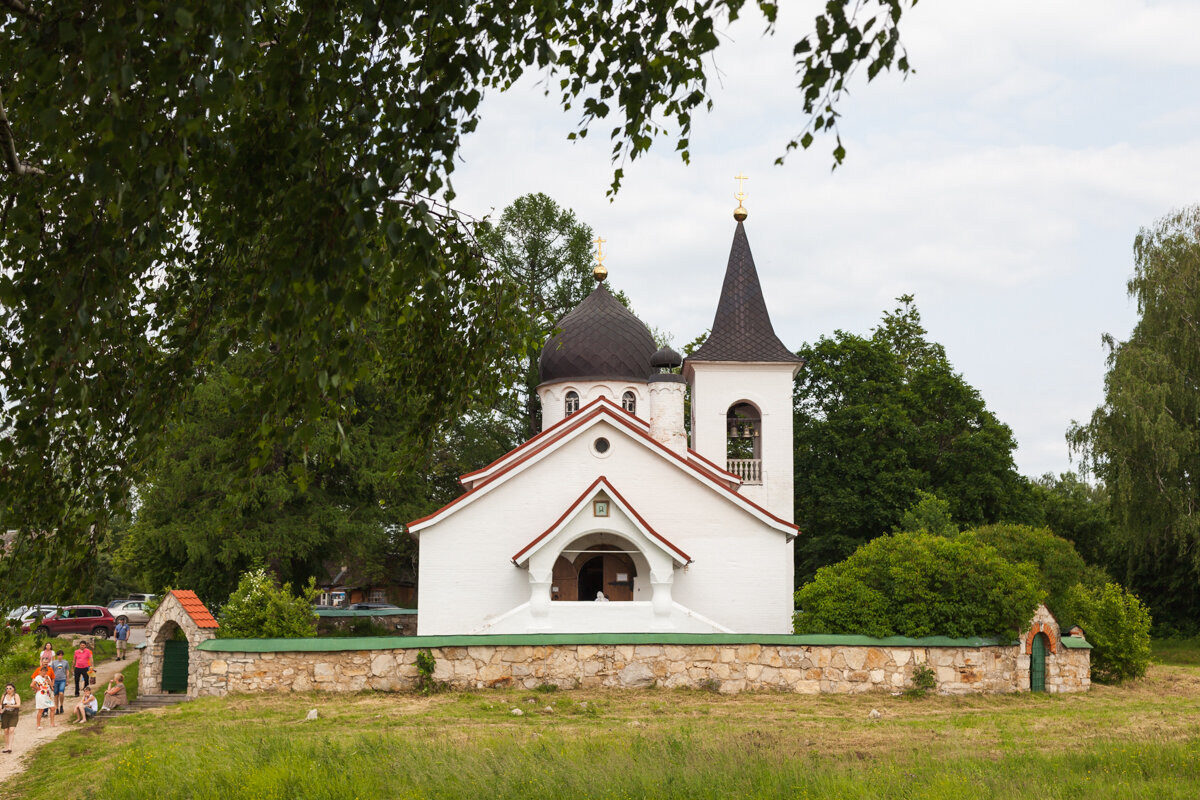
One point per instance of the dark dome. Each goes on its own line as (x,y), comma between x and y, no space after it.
(599,340)
(666,358)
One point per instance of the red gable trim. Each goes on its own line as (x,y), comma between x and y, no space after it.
(603,406)
(588,493)
(562,423)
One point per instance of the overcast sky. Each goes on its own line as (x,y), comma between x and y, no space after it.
(1002,184)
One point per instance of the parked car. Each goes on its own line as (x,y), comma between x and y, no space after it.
(95,620)
(370,606)
(22,614)
(141,598)
(131,611)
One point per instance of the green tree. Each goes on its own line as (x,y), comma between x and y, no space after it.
(200,523)
(1059,567)
(547,252)
(187,181)
(930,514)
(1143,442)
(879,419)
(259,608)
(1078,512)
(1117,625)
(920,584)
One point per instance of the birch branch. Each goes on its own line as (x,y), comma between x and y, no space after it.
(22,9)
(8,145)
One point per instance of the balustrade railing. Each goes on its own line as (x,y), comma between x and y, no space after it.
(748,469)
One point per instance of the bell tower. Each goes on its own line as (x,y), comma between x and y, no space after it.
(741,380)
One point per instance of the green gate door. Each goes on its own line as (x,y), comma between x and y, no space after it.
(175,666)
(1037,664)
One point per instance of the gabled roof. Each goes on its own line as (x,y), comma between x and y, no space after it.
(602,484)
(195,608)
(741,329)
(472,479)
(553,438)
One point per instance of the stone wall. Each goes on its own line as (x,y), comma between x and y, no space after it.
(809,669)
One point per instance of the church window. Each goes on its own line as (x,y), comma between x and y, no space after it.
(601,445)
(572,403)
(629,402)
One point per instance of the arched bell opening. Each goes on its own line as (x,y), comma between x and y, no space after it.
(743,442)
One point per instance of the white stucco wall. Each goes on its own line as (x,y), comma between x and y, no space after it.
(553,397)
(716,386)
(740,578)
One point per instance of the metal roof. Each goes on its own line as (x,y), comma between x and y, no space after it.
(599,340)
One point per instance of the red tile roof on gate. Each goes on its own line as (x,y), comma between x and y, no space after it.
(195,609)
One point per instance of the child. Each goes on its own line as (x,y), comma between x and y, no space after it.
(43,699)
(60,668)
(86,709)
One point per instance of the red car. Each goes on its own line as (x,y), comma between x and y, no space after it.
(95,620)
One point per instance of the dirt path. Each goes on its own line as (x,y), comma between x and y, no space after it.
(29,737)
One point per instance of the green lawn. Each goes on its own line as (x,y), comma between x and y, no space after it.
(1181,652)
(1136,741)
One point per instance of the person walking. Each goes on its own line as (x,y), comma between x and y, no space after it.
(83,663)
(10,710)
(121,632)
(60,668)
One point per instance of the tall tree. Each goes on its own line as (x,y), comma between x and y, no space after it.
(878,420)
(1143,442)
(547,252)
(184,181)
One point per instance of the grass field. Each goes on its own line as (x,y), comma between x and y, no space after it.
(1137,741)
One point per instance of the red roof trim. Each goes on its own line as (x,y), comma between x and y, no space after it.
(603,405)
(466,477)
(721,470)
(588,493)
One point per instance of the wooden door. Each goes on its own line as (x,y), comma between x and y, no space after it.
(175,666)
(1037,664)
(618,577)
(565,584)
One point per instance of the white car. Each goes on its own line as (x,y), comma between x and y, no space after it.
(25,613)
(131,611)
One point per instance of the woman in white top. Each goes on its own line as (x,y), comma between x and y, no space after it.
(10,710)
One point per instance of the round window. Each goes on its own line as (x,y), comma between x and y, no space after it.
(601,445)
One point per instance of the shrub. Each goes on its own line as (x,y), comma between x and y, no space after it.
(260,608)
(919,584)
(1118,627)
(1058,564)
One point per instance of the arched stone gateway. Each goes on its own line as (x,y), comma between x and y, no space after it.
(179,624)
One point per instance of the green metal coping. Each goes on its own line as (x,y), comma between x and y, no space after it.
(1075,643)
(333,644)
(365,612)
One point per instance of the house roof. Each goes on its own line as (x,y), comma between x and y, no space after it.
(470,480)
(600,409)
(195,608)
(600,339)
(741,329)
(602,484)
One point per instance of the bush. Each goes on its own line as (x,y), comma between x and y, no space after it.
(260,608)
(919,584)
(1117,625)
(1058,564)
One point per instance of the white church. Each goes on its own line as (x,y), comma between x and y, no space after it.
(607,520)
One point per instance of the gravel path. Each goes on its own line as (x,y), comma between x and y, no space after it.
(29,737)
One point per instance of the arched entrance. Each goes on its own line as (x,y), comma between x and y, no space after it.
(1037,663)
(174,661)
(599,568)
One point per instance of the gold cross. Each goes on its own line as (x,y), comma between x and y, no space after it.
(599,249)
(741,192)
